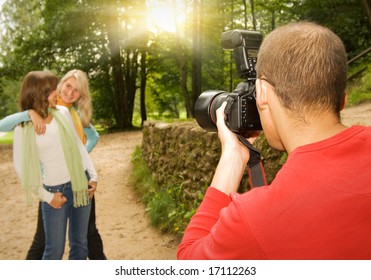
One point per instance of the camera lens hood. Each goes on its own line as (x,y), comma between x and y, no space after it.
(204,109)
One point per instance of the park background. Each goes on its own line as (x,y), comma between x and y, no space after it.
(148,61)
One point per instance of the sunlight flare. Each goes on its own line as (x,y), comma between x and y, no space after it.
(163,16)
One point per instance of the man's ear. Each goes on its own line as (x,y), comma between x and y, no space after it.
(344,101)
(261,93)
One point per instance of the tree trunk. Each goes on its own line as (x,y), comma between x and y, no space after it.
(143,82)
(181,58)
(273,20)
(197,52)
(252,4)
(232,67)
(367,5)
(245,13)
(117,71)
(131,75)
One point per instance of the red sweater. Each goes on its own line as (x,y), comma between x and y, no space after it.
(317,207)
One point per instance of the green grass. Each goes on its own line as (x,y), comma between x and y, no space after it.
(141,177)
(359,91)
(101,129)
(168,207)
(7,139)
(358,98)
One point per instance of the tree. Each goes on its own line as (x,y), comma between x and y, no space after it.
(90,35)
(367,5)
(182,63)
(196,52)
(110,41)
(347,18)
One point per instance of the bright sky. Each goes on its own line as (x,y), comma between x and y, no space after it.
(161,16)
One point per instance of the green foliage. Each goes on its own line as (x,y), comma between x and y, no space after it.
(7,139)
(347,18)
(9,97)
(359,89)
(169,208)
(141,177)
(169,211)
(59,36)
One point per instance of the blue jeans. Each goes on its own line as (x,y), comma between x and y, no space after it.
(55,226)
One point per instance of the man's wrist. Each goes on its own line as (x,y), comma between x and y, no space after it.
(228,173)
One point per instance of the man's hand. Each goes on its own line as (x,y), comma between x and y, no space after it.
(234,158)
(228,139)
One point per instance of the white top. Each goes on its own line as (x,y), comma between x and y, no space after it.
(50,150)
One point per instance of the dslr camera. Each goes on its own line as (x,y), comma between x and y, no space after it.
(241,114)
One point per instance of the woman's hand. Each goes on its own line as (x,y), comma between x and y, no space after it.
(92,188)
(38,122)
(58,200)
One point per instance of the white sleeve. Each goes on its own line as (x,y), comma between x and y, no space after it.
(17,150)
(43,194)
(87,161)
(84,153)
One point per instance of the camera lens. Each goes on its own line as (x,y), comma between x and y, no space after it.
(205,108)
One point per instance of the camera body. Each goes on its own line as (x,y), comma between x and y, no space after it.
(241,112)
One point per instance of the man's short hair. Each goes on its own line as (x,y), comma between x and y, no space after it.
(307,65)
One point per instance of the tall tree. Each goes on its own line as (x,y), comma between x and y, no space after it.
(121,91)
(143,83)
(124,33)
(182,63)
(252,5)
(197,51)
(352,26)
(107,39)
(367,5)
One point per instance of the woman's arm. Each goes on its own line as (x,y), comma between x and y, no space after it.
(92,137)
(84,151)
(9,123)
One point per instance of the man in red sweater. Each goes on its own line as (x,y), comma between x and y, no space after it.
(319,204)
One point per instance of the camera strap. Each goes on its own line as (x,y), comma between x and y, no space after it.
(255,165)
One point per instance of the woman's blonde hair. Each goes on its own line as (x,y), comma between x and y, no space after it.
(83,104)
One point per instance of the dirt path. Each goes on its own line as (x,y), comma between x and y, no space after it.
(121,218)
(360,114)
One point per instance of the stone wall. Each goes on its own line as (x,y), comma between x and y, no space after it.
(183,153)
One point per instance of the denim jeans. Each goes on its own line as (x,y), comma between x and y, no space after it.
(55,226)
(95,243)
